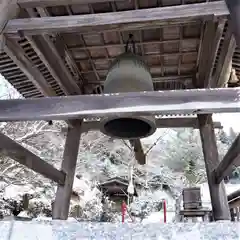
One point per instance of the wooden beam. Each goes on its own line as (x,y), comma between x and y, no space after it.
(63,195)
(218,195)
(137,43)
(233,196)
(16,53)
(211,40)
(49,54)
(185,79)
(126,20)
(225,58)
(178,122)
(231,158)
(234,9)
(62,47)
(20,154)
(195,101)
(138,151)
(52,3)
(8,10)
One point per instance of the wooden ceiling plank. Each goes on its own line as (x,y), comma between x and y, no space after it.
(126,20)
(88,53)
(231,158)
(52,3)
(20,154)
(16,53)
(221,75)
(194,101)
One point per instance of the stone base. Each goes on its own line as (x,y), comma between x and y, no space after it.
(205,214)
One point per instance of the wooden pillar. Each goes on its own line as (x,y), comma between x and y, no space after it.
(25,201)
(232,214)
(218,195)
(8,9)
(63,195)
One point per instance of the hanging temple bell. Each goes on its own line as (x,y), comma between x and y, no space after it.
(128,73)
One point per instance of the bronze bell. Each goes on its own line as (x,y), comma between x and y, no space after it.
(128,73)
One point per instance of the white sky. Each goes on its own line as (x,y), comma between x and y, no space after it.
(227,119)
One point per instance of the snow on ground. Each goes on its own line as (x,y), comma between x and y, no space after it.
(49,219)
(158,217)
(23,214)
(64,230)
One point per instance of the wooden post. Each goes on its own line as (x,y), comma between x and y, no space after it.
(8,10)
(232,214)
(63,195)
(218,195)
(164,211)
(25,201)
(238,216)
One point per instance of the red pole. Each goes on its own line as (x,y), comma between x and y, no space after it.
(124,208)
(165,210)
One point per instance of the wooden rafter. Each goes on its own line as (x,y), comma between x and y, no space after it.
(181,78)
(210,43)
(61,47)
(152,54)
(127,20)
(16,53)
(20,154)
(47,52)
(50,56)
(127,104)
(231,158)
(137,43)
(48,3)
(225,59)
(178,122)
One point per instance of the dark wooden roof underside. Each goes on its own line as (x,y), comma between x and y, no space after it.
(171,52)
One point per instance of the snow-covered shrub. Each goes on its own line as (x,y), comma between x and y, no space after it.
(39,207)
